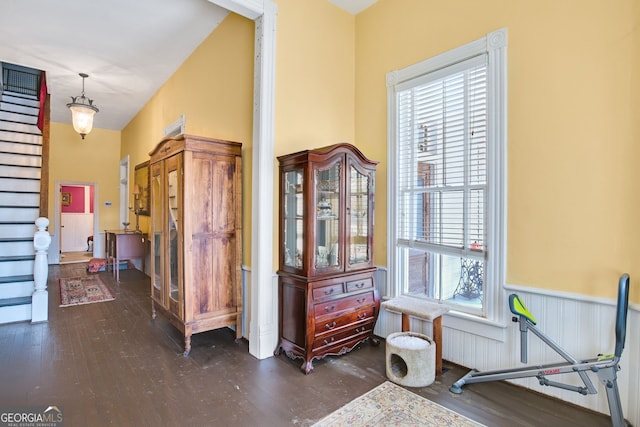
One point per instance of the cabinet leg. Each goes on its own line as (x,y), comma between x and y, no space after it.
(307,367)
(437,339)
(238,330)
(187,345)
(153,310)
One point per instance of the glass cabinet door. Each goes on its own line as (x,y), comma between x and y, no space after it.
(157,197)
(173,216)
(327,236)
(359,223)
(293,210)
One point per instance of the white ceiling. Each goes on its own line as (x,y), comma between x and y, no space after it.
(353,6)
(129,48)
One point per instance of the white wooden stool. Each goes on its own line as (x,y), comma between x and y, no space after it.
(425,310)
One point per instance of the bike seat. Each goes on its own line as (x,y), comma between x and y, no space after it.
(518,308)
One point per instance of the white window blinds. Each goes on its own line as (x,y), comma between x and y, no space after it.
(442,159)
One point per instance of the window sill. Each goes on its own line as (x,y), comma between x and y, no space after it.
(475,325)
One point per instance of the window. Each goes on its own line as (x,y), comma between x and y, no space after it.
(447,141)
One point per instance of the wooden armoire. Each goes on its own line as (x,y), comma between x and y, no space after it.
(327,294)
(196,234)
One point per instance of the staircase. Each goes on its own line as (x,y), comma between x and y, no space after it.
(20,167)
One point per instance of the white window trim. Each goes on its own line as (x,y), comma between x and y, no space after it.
(495,46)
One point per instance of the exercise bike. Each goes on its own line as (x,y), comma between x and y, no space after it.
(605,366)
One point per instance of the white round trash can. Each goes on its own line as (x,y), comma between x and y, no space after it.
(411,359)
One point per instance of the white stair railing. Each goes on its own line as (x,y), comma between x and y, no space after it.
(40,300)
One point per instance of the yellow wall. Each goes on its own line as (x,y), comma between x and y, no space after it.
(72,159)
(213,88)
(635,114)
(315,70)
(572,141)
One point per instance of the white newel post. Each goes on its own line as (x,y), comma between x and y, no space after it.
(40,300)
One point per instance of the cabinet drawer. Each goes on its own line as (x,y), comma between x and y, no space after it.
(327,291)
(331,325)
(336,306)
(336,339)
(358,285)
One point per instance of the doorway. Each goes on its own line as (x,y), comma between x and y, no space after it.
(124,191)
(76,221)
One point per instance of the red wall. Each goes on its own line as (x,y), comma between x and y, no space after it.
(77,199)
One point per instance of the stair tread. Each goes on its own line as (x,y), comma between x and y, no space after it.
(18,99)
(20,142)
(19,192)
(16,239)
(13,153)
(22,113)
(21,132)
(13,165)
(18,122)
(18,177)
(7,302)
(16,279)
(17,258)
(16,222)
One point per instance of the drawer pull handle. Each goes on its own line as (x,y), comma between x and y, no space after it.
(360,285)
(330,340)
(357,330)
(361,300)
(330,308)
(330,326)
(362,316)
(328,291)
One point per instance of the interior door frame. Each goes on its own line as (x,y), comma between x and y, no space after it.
(123,171)
(54,249)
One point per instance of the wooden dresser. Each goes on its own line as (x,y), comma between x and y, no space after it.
(327,296)
(196,234)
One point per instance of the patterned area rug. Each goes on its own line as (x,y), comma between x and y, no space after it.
(83,290)
(391,405)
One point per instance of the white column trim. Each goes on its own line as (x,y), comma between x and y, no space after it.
(263,325)
(252,9)
(495,298)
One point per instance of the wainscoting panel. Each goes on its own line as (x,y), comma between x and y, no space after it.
(629,365)
(582,326)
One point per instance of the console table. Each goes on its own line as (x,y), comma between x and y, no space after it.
(123,245)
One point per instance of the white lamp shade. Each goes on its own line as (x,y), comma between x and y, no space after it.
(82,118)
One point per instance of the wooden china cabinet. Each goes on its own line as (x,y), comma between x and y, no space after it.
(196,234)
(327,296)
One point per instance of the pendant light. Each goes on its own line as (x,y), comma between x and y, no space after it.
(82,111)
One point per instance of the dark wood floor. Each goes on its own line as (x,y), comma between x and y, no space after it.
(109,364)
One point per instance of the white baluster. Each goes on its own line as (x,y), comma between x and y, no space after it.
(40,300)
